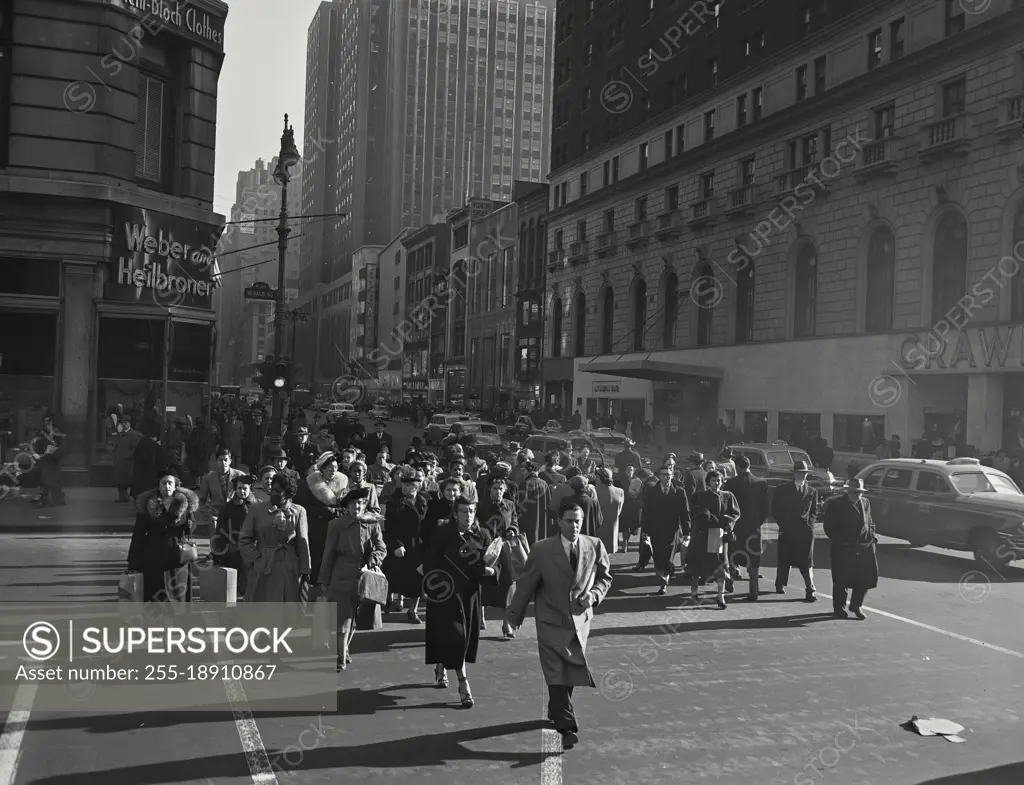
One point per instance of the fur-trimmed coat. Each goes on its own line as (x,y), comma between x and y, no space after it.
(158,533)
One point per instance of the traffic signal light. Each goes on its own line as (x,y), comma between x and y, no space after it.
(266,371)
(282,376)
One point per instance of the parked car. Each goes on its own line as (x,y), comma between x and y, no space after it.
(440,426)
(380,412)
(611,442)
(482,436)
(553,426)
(542,443)
(957,504)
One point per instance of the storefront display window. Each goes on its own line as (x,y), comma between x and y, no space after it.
(189,369)
(755,427)
(857,432)
(28,364)
(797,428)
(130,370)
(30,276)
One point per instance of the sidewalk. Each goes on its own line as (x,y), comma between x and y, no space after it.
(89,510)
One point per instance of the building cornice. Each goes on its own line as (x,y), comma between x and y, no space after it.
(807,113)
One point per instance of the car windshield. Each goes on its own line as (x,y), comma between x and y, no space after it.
(489,429)
(780,459)
(800,456)
(980,482)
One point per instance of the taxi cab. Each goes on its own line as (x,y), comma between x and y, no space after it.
(957,504)
(774,463)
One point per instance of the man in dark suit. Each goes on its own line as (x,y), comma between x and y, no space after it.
(752,495)
(795,507)
(696,478)
(851,530)
(303,454)
(666,514)
(592,517)
(372,444)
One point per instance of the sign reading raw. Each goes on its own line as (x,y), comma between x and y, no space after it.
(169,256)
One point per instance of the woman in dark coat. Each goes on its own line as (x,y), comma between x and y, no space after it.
(666,514)
(228,529)
(629,518)
(849,526)
(403,518)
(440,511)
(354,541)
(320,492)
(165,519)
(454,570)
(713,513)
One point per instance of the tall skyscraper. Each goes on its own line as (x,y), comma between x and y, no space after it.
(412,105)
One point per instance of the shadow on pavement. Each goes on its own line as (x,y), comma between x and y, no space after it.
(722,623)
(902,562)
(419,751)
(1010,774)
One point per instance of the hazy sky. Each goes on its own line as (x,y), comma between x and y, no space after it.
(264,76)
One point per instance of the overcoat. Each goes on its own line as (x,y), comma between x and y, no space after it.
(154,550)
(499,520)
(124,455)
(708,511)
(275,544)
(592,518)
(752,496)
(851,532)
(665,514)
(534,499)
(351,545)
(611,500)
(795,510)
(404,518)
(563,625)
(321,500)
(452,580)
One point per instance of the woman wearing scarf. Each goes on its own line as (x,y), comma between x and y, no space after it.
(712,515)
(354,541)
(321,493)
(454,571)
(224,542)
(357,474)
(404,516)
(275,545)
(164,521)
(261,490)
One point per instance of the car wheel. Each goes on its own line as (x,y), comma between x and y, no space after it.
(989,553)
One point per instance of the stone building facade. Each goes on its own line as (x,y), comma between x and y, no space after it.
(773,252)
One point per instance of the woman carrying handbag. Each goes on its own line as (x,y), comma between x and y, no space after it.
(354,544)
(712,515)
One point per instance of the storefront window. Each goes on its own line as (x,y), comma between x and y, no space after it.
(189,369)
(797,428)
(857,432)
(28,364)
(755,427)
(130,372)
(25,276)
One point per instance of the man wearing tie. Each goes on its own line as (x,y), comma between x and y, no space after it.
(567,576)
(752,495)
(849,527)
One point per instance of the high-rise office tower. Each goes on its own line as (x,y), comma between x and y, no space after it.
(411,105)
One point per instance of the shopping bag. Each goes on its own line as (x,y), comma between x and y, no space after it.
(129,588)
(373,586)
(519,552)
(680,545)
(218,584)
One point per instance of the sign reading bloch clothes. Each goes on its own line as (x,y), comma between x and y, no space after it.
(180,16)
(162,259)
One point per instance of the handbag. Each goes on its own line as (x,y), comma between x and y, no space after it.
(519,552)
(129,587)
(373,586)
(187,551)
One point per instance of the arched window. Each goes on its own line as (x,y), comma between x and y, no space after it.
(880,292)
(556,327)
(745,301)
(607,320)
(639,314)
(579,309)
(805,300)
(949,265)
(1017,284)
(707,298)
(670,309)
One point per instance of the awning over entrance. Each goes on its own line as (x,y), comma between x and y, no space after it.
(651,370)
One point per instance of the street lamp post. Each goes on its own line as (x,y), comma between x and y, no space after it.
(286,159)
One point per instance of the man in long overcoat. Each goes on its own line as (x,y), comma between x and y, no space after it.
(581,495)
(849,526)
(752,495)
(611,500)
(567,576)
(666,514)
(532,501)
(795,508)
(124,459)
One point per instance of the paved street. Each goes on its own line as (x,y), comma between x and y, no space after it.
(752,694)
